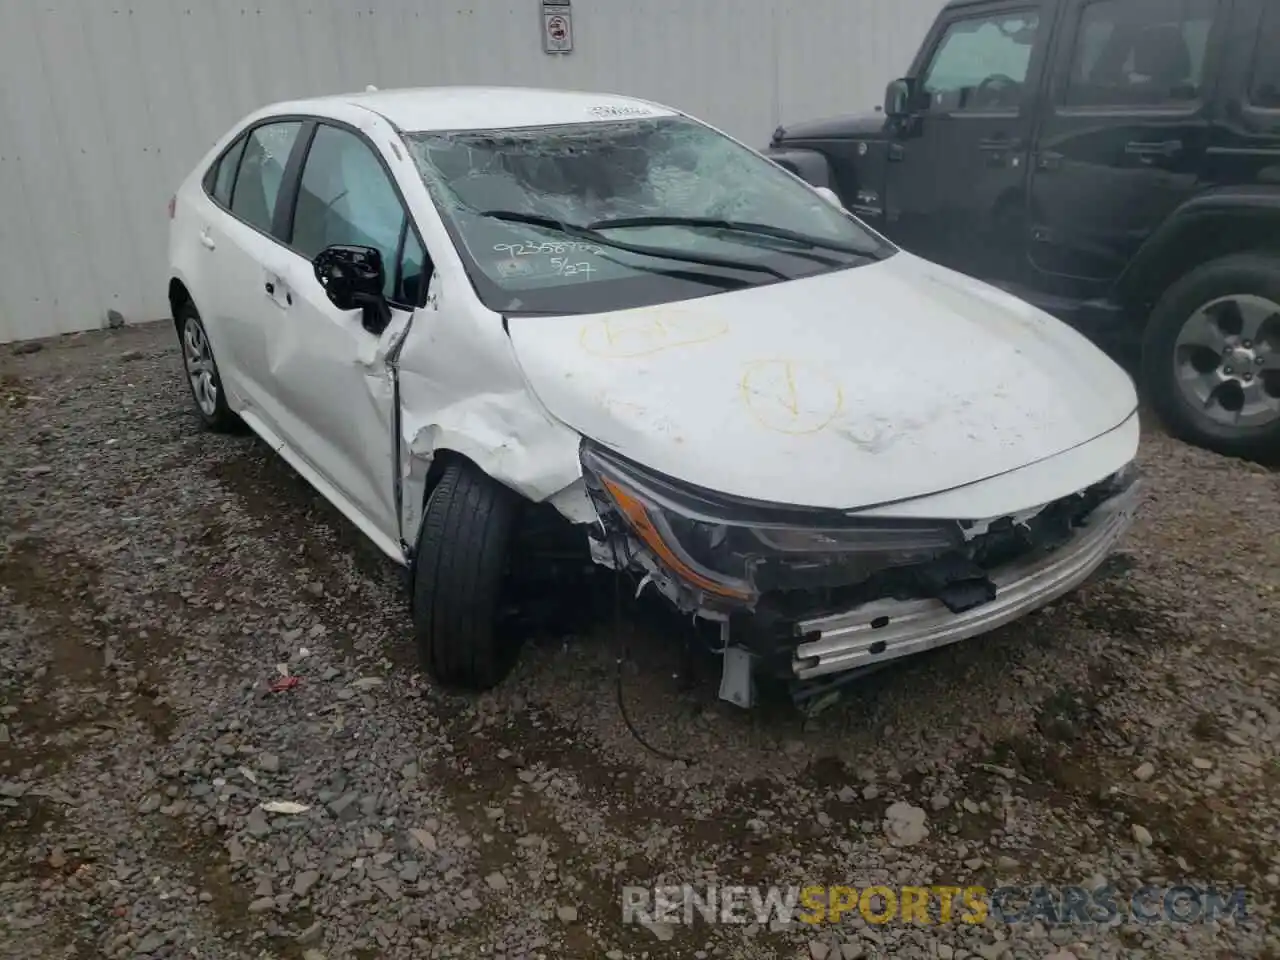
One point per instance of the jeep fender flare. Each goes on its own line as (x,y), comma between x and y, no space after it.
(1213,224)
(809,165)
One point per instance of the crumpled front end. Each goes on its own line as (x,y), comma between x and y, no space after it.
(810,594)
(1007,571)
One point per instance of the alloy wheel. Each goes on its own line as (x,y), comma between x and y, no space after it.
(200,369)
(1226,361)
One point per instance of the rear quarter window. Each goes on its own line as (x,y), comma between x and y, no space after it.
(223,175)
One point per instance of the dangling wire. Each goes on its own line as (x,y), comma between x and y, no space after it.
(626,655)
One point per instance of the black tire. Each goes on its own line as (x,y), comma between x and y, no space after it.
(219,418)
(1255,274)
(459,575)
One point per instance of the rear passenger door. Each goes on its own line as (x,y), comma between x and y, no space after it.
(240,237)
(1124,134)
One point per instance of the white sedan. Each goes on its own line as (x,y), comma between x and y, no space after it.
(489,324)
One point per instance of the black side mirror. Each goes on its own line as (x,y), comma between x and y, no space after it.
(353,278)
(900,98)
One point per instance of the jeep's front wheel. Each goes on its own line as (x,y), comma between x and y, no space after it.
(463,639)
(1211,356)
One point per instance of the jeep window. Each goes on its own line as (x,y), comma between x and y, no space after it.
(981,63)
(1139,53)
(1264,88)
(586,174)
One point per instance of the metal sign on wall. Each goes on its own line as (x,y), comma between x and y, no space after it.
(557,26)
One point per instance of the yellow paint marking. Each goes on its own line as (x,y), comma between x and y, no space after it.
(792,402)
(790,396)
(622,337)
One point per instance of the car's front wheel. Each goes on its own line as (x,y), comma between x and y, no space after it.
(464,640)
(202,372)
(1211,356)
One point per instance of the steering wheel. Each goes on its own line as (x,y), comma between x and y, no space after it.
(995,80)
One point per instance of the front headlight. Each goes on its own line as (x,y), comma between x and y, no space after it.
(736,549)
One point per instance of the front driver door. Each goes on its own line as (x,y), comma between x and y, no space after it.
(330,375)
(958,165)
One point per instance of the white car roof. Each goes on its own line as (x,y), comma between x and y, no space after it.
(485,108)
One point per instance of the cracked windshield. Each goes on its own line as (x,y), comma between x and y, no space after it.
(609,215)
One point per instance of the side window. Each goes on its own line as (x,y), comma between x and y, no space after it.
(1264,87)
(1139,52)
(257,186)
(981,63)
(226,173)
(346,197)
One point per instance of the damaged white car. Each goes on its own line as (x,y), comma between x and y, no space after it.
(490,325)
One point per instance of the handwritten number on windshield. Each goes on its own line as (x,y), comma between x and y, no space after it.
(567,269)
(547,247)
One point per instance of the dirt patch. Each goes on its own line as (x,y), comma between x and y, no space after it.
(13,391)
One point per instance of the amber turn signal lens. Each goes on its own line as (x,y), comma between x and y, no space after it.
(638,517)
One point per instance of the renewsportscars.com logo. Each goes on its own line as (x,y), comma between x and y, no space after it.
(936,904)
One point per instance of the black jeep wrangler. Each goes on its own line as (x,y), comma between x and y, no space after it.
(1115,162)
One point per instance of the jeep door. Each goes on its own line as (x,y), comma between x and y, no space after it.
(1245,148)
(1123,137)
(956,187)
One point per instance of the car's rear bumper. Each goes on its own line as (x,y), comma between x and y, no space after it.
(881,630)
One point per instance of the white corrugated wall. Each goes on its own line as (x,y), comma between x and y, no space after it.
(106,104)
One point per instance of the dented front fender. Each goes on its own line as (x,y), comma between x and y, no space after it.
(461,390)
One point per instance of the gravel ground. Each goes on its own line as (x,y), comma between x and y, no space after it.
(155,579)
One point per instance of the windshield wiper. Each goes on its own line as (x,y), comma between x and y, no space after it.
(738,226)
(594,236)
